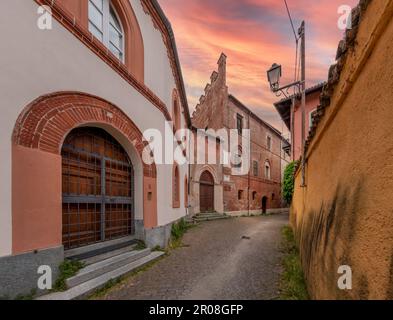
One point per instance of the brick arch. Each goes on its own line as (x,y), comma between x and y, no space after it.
(77,10)
(37,164)
(45,122)
(134,48)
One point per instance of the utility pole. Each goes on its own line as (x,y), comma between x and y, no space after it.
(274,74)
(302,33)
(293,106)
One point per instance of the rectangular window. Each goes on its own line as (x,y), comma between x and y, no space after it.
(255,166)
(240,195)
(269,143)
(267,171)
(239,124)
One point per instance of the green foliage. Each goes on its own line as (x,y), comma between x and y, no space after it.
(179,229)
(68,269)
(289,181)
(30,296)
(293,285)
(158,249)
(140,246)
(177,233)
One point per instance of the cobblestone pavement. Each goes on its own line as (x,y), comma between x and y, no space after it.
(228,259)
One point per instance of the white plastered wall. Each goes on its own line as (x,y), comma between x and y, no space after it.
(159,78)
(36,62)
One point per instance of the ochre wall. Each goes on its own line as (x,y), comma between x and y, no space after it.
(345,214)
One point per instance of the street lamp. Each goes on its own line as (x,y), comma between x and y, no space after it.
(274,75)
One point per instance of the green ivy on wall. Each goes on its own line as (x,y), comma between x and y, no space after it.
(289,181)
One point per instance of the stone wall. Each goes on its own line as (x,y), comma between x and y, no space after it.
(344,214)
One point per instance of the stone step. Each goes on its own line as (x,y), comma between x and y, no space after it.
(107,255)
(210,218)
(205,214)
(209,215)
(99,248)
(97,269)
(86,288)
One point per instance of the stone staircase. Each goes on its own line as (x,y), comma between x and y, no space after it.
(201,217)
(103,263)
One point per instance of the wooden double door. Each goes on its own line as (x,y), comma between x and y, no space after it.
(206,192)
(98,188)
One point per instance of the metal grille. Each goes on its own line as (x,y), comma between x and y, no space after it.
(98,192)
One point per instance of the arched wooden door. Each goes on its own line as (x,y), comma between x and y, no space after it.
(98,188)
(206,192)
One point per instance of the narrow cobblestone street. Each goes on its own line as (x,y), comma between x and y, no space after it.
(229,259)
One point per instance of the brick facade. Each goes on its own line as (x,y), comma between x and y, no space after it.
(217,109)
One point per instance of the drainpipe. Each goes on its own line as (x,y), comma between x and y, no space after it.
(249,177)
(189,172)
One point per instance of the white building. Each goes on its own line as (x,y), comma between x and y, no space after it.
(77,93)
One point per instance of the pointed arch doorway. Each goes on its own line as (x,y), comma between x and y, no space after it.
(206,193)
(98,188)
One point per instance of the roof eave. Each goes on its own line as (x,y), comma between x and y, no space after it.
(168,26)
(238,102)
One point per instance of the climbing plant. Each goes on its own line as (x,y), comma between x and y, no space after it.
(289,181)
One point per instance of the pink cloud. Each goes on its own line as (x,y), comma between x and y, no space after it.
(253,34)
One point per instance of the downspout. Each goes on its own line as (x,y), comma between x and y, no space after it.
(189,174)
(293,129)
(250,164)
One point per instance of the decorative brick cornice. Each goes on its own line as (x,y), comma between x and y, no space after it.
(66,19)
(45,123)
(159,24)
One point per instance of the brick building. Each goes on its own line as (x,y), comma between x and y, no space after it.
(255,191)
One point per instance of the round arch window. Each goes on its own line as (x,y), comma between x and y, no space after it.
(104,24)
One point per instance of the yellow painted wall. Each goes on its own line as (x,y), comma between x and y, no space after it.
(345,214)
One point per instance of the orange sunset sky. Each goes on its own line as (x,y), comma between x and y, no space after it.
(253,34)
